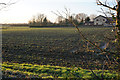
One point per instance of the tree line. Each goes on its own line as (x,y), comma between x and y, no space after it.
(79,19)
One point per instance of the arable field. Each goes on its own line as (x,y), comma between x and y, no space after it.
(54,47)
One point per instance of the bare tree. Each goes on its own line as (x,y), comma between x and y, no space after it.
(81,17)
(116,8)
(92,16)
(38,20)
(59,19)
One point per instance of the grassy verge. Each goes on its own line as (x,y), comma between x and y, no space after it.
(24,70)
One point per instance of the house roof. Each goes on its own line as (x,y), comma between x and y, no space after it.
(100,16)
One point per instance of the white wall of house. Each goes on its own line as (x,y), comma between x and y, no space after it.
(100,20)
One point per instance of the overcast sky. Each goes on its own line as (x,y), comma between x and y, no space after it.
(23,10)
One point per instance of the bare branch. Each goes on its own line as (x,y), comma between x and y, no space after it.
(59,13)
(104,12)
(3,4)
(105,5)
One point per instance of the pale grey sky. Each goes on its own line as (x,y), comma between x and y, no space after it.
(23,10)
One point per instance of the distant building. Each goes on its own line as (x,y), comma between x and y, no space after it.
(103,21)
(90,23)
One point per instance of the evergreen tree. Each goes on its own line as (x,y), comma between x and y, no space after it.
(87,19)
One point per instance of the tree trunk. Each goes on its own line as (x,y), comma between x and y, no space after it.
(118,35)
(118,24)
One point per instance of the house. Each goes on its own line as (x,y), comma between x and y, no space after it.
(103,21)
